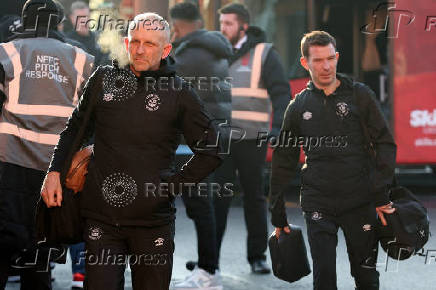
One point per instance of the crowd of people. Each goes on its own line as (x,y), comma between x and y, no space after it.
(136,128)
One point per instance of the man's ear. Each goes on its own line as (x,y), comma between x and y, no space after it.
(303,62)
(166,50)
(337,56)
(126,43)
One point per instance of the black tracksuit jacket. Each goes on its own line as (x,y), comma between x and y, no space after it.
(338,174)
(136,135)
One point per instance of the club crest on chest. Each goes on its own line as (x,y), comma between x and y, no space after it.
(152,102)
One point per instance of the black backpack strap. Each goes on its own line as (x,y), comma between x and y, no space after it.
(369,144)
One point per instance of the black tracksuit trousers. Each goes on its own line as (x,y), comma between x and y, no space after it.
(199,208)
(148,251)
(358,226)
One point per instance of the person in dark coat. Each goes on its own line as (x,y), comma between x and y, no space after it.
(202,58)
(79,15)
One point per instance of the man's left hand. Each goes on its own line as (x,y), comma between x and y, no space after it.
(381,210)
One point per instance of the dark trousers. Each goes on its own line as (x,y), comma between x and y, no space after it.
(148,250)
(248,160)
(358,226)
(19,192)
(200,209)
(77,261)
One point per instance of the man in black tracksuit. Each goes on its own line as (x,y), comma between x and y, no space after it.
(127,200)
(340,186)
(202,58)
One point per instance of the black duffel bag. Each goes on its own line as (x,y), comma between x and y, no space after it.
(289,255)
(61,224)
(408,228)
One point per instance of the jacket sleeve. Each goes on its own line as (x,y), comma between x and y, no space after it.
(284,163)
(200,135)
(72,127)
(2,84)
(277,85)
(383,143)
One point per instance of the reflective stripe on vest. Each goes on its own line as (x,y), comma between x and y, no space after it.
(256,69)
(250,116)
(79,65)
(12,104)
(11,129)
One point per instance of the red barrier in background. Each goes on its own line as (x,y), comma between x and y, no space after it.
(297,85)
(414,84)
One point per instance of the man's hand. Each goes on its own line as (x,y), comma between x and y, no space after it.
(51,190)
(287,230)
(384,209)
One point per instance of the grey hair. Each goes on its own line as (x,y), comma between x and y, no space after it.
(78,5)
(151,19)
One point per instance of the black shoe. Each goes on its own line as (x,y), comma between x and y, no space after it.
(260,267)
(190,265)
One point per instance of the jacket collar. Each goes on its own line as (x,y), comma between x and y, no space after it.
(255,35)
(346,85)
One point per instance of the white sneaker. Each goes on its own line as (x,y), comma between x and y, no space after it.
(201,280)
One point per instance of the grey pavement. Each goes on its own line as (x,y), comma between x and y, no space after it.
(413,273)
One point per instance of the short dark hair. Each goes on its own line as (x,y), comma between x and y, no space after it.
(240,10)
(315,38)
(185,11)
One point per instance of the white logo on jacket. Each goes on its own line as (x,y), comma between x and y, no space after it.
(342,109)
(152,102)
(95,233)
(366,227)
(159,242)
(307,115)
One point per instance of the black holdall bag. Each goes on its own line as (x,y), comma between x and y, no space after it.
(289,255)
(64,225)
(408,228)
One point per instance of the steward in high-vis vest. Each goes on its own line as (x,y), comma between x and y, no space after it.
(41,77)
(258,80)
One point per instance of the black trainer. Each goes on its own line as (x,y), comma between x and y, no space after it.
(190,265)
(260,267)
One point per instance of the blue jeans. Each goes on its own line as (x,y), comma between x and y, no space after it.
(77,253)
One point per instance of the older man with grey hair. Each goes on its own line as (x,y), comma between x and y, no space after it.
(128,198)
